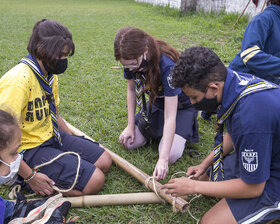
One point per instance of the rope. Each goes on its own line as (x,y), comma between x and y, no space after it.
(77,174)
(154,186)
(73,219)
(175,210)
(17,188)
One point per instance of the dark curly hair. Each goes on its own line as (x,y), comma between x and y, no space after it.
(273,2)
(196,67)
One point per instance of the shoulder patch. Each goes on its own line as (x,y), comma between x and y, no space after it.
(169,78)
(249,160)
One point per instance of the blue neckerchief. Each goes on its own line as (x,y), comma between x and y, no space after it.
(237,85)
(47,84)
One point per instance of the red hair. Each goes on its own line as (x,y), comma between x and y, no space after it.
(131,43)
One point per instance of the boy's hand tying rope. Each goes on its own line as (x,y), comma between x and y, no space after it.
(196,171)
(180,186)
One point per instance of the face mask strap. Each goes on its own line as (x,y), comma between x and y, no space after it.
(5,163)
(9,165)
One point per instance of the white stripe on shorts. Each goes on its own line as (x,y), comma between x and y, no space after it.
(258,216)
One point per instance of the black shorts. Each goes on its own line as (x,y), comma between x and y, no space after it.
(63,170)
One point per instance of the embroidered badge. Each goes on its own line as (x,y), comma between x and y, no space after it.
(250,160)
(169,78)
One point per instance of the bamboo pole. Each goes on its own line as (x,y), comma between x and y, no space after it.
(179,203)
(114,199)
(111,199)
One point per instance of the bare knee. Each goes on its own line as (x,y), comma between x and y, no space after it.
(130,146)
(177,148)
(174,156)
(219,214)
(95,183)
(104,162)
(207,219)
(176,153)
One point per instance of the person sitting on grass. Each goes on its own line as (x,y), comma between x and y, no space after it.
(169,114)
(244,164)
(10,160)
(30,89)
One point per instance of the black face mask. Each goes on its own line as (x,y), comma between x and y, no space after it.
(206,104)
(60,67)
(143,66)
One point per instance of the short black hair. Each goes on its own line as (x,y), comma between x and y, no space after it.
(273,2)
(8,124)
(48,40)
(196,67)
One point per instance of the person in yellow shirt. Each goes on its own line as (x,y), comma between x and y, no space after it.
(30,89)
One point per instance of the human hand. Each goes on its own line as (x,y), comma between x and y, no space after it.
(41,184)
(179,186)
(127,136)
(196,171)
(161,169)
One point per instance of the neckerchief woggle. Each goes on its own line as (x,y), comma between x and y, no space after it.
(236,87)
(47,84)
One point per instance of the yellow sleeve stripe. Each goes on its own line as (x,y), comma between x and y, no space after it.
(249,50)
(249,56)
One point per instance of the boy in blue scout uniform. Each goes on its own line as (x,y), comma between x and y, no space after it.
(245,161)
(260,50)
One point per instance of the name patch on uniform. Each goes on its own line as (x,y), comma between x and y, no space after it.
(250,160)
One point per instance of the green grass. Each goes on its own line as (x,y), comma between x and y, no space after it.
(93,96)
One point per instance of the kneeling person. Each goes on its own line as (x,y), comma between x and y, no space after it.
(250,172)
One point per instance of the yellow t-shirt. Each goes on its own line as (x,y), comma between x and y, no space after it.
(22,94)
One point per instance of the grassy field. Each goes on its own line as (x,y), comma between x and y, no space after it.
(93,96)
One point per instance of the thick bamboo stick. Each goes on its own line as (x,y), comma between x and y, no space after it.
(114,199)
(180,203)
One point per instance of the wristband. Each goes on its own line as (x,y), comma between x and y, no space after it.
(31,176)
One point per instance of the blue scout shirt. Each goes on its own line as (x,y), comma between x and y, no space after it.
(260,51)
(254,126)
(166,64)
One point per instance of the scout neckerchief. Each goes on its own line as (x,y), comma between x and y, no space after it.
(47,84)
(140,96)
(246,84)
(140,78)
